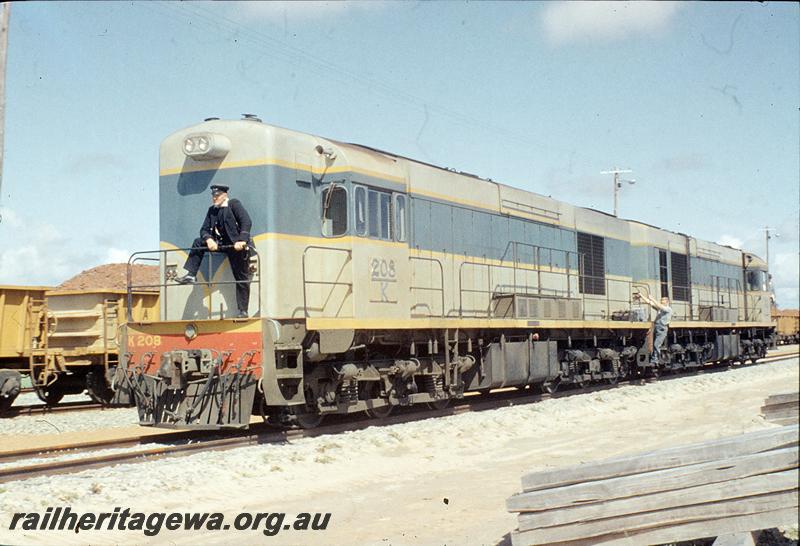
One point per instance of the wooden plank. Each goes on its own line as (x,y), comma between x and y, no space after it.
(783,421)
(782,398)
(754,442)
(688,531)
(691,531)
(736,539)
(781,414)
(706,514)
(779,407)
(653,482)
(734,489)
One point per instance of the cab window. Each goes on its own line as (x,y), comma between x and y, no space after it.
(379,214)
(386,216)
(334,211)
(400,220)
(756,280)
(373,213)
(361,210)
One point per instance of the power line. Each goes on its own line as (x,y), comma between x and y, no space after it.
(294,55)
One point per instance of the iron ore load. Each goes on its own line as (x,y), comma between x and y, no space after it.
(379,281)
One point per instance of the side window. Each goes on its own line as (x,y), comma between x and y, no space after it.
(400,220)
(374,214)
(386,216)
(361,210)
(379,214)
(334,211)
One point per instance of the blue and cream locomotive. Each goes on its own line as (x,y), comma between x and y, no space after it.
(380,281)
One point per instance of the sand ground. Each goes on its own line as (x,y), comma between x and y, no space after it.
(438,481)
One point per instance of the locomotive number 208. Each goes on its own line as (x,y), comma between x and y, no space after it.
(145,341)
(381,269)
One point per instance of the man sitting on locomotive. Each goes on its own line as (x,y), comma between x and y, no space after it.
(660,325)
(227,228)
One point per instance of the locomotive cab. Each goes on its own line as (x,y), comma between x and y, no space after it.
(306,203)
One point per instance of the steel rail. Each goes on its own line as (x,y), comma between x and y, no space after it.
(37,409)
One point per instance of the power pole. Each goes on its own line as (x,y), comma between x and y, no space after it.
(767,237)
(618,183)
(5,12)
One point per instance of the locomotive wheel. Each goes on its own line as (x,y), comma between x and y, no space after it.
(269,417)
(51,395)
(307,415)
(5,403)
(381,412)
(96,385)
(549,387)
(304,418)
(438,404)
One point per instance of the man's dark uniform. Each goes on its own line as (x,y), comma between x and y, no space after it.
(226,225)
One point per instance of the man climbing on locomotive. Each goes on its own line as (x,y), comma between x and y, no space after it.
(226,228)
(660,325)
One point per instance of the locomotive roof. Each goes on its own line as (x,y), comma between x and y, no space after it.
(370,150)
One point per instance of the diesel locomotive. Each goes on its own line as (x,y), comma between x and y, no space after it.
(380,281)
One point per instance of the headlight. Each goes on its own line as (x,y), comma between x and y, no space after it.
(190,332)
(202,146)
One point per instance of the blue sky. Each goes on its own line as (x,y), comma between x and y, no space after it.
(700,100)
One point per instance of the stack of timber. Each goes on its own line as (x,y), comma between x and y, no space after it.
(782,409)
(733,485)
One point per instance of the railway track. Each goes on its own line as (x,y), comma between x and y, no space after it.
(187,442)
(40,409)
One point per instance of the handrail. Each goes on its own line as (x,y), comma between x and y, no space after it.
(143,256)
(607,313)
(441,278)
(530,209)
(536,266)
(347,251)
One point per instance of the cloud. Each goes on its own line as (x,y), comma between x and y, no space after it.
(789,229)
(41,254)
(117,255)
(9,218)
(730,240)
(571,21)
(785,271)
